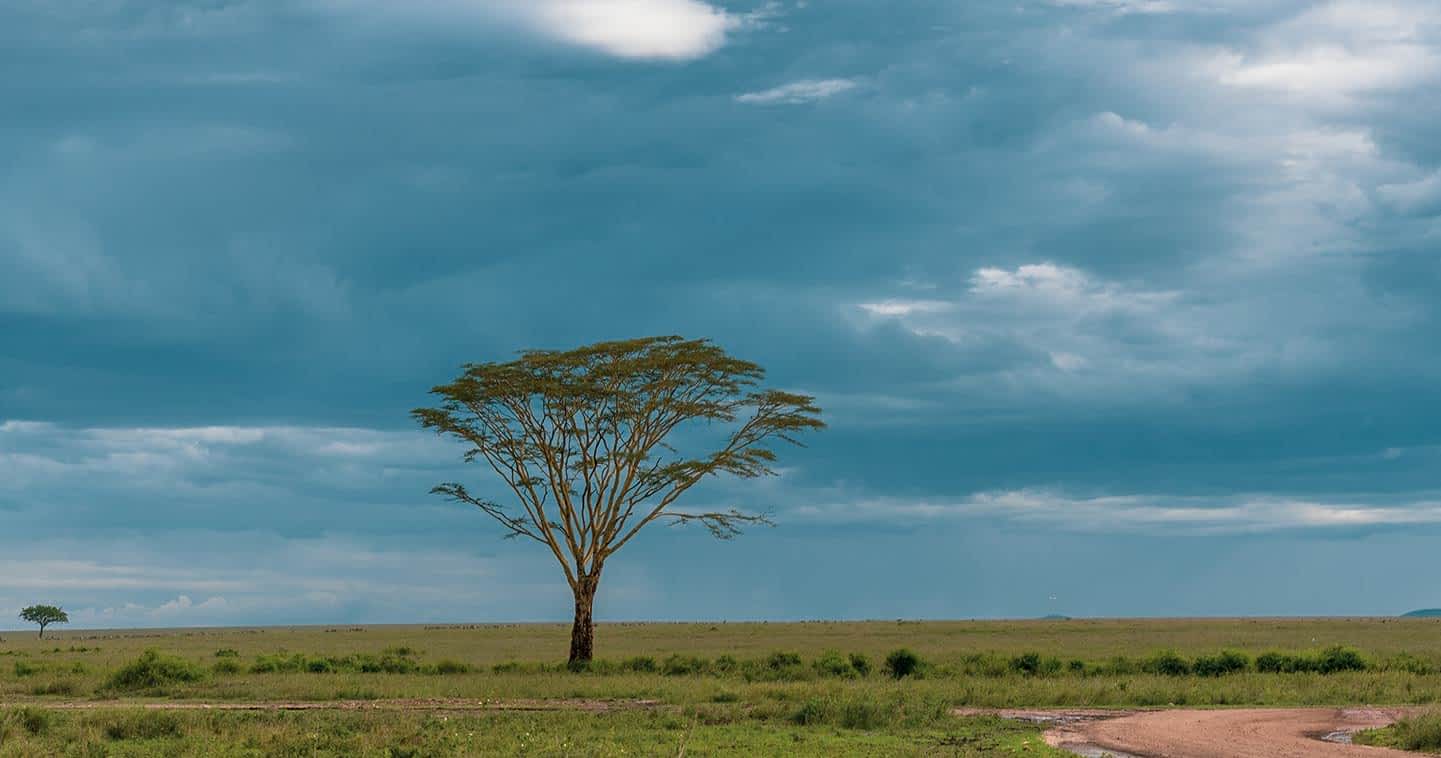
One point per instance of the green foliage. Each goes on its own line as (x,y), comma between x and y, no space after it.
(1033,664)
(1226,662)
(832,663)
(144,725)
(226,667)
(44,615)
(1421,732)
(35,721)
(640,664)
(1339,658)
(152,671)
(25,668)
(1332,660)
(57,687)
(227,653)
(683,665)
(592,432)
(861,664)
(1166,663)
(902,663)
(782,660)
(447,667)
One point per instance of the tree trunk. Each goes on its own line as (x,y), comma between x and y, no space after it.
(582,633)
(42,631)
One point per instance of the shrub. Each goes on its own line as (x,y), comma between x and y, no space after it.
(1338,658)
(1076,666)
(861,664)
(832,663)
(58,687)
(902,663)
(1279,663)
(863,713)
(227,653)
(682,665)
(154,670)
(1419,732)
(448,667)
(226,667)
(144,725)
(24,669)
(779,660)
(33,720)
(641,664)
(727,663)
(1227,662)
(812,711)
(400,652)
(1166,663)
(1032,664)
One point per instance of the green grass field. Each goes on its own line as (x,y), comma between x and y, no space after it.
(718,688)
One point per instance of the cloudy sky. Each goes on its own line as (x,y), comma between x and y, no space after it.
(1116,307)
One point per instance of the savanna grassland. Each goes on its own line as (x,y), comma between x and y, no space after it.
(667,689)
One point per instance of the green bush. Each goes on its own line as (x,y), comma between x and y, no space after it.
(1166,663)
(1227,662)
(812,711)
(1419,732)
(641,664)
(227,653)
(33,720)
(57,687)
(727,664)
(1076,666)
(144,725)
(226,667)
(683,665)
(153,670)
(1338,658)
(902,663)
(24,669)
(780,660)
(448,667)
(861,664)
(832,663)
(1032,664)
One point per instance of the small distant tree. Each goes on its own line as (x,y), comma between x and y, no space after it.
(44,615)
(588,441)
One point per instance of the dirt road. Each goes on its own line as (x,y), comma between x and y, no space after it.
(1227,733)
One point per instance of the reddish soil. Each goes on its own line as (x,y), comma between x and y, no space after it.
(1223,733)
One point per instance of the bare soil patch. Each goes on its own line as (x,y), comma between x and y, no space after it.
(1221,733)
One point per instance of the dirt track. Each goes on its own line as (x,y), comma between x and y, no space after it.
(1228,733)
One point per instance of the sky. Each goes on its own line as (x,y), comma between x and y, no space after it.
(1115,307)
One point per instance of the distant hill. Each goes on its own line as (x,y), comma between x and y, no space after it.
(1424,613)
(1059,617)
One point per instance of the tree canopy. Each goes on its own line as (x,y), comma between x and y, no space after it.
(589,441)
(44,615)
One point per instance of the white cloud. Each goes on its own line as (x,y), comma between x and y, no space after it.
(904,307)
(655,29)
(795,93)
(666,30)
(1153,514)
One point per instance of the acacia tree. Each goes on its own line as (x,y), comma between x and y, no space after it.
(587,441)
(44,615)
